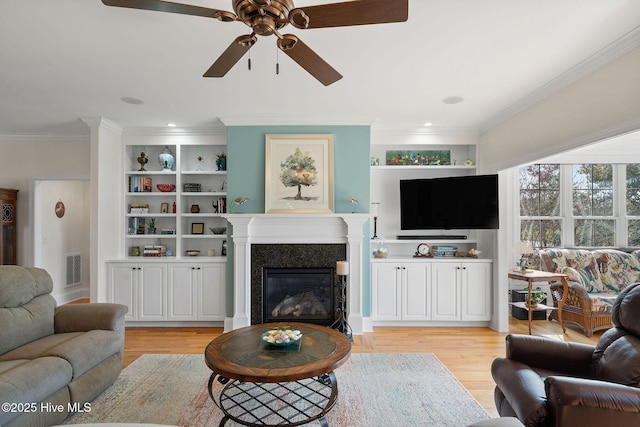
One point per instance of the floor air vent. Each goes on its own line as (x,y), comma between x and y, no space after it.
(74,269)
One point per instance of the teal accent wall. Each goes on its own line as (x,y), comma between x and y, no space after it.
(246,172)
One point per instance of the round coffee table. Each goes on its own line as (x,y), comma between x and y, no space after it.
(261,384)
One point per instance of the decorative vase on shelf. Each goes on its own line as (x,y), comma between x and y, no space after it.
(166,159)
(142,159)
(221,162)
(379,248)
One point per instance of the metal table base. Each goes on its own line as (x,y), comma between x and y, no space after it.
(270,404)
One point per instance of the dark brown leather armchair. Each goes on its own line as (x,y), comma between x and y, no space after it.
(545,382)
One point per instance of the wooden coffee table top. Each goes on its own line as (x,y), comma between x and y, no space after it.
(242,354)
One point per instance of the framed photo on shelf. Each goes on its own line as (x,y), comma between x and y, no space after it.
(164,208)
(197,228)
(299,173)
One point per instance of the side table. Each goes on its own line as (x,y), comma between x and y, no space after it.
(541,276)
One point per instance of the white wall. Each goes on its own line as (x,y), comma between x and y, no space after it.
(55,237)
(24,160)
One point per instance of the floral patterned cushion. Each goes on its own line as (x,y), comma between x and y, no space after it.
(617,269)
(579,264)
(603,302)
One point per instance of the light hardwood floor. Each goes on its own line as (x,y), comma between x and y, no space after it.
(467,352)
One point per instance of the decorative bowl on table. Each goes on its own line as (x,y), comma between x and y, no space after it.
(281,337)
(192,252)
(166,188)
(218,230)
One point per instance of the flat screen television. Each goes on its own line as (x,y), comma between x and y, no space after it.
(452,203)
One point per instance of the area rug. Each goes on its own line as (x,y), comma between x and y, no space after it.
(375,389)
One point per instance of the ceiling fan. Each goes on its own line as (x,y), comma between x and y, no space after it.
(266,17)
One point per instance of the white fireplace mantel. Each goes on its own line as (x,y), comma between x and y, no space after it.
(251,229)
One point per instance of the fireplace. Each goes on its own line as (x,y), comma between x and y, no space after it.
(295,283)
(250,231)
(298,295)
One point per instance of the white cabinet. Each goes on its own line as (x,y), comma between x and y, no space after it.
(401,291)
(462,291)
(169,291)
(446,291)
(433,290)
(196,291)
(141,287)
(476,291)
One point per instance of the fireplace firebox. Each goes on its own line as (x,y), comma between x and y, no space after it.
(284,276)
(298,295)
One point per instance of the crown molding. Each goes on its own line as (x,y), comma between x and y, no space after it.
(301,121)
(618,48)
(216,130)
(103,123)
(36,137)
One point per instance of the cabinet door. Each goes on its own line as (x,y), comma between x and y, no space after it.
(476,291)
(181,291)
(123,288)
(445,291)
(416,292)
(152,281)
(385,292)
(212,292)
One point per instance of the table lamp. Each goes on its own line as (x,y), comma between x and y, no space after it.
(524,249)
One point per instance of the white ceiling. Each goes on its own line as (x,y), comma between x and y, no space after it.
(64,60)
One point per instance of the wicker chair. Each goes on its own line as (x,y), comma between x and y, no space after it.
(595,280)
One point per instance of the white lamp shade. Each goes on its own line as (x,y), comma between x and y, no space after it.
(375,208)
(342,268)
(523,248)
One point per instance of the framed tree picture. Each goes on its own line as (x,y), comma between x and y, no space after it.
(299,174)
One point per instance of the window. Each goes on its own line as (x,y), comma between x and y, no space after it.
(633,203)
(540,221)
(581,205)
(592,187)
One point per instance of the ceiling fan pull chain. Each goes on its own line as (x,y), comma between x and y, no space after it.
(277,62)
(249,61)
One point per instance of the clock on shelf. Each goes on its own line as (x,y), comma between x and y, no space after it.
(423,250)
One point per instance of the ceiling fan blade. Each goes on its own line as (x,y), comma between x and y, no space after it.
(360,12)
(166,6)
(231,55)
(308,59)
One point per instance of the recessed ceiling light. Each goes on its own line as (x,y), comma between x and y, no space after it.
(131,100)
(171,125)
(428,124)
(453,100)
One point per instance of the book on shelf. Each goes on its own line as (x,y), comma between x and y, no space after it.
(140,184)
(155,250)
(136,225)
(138,208)
(220,205)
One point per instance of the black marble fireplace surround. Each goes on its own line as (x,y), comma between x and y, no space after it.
(276,257)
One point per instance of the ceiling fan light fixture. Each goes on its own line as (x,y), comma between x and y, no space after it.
(263,25)
(299,19)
